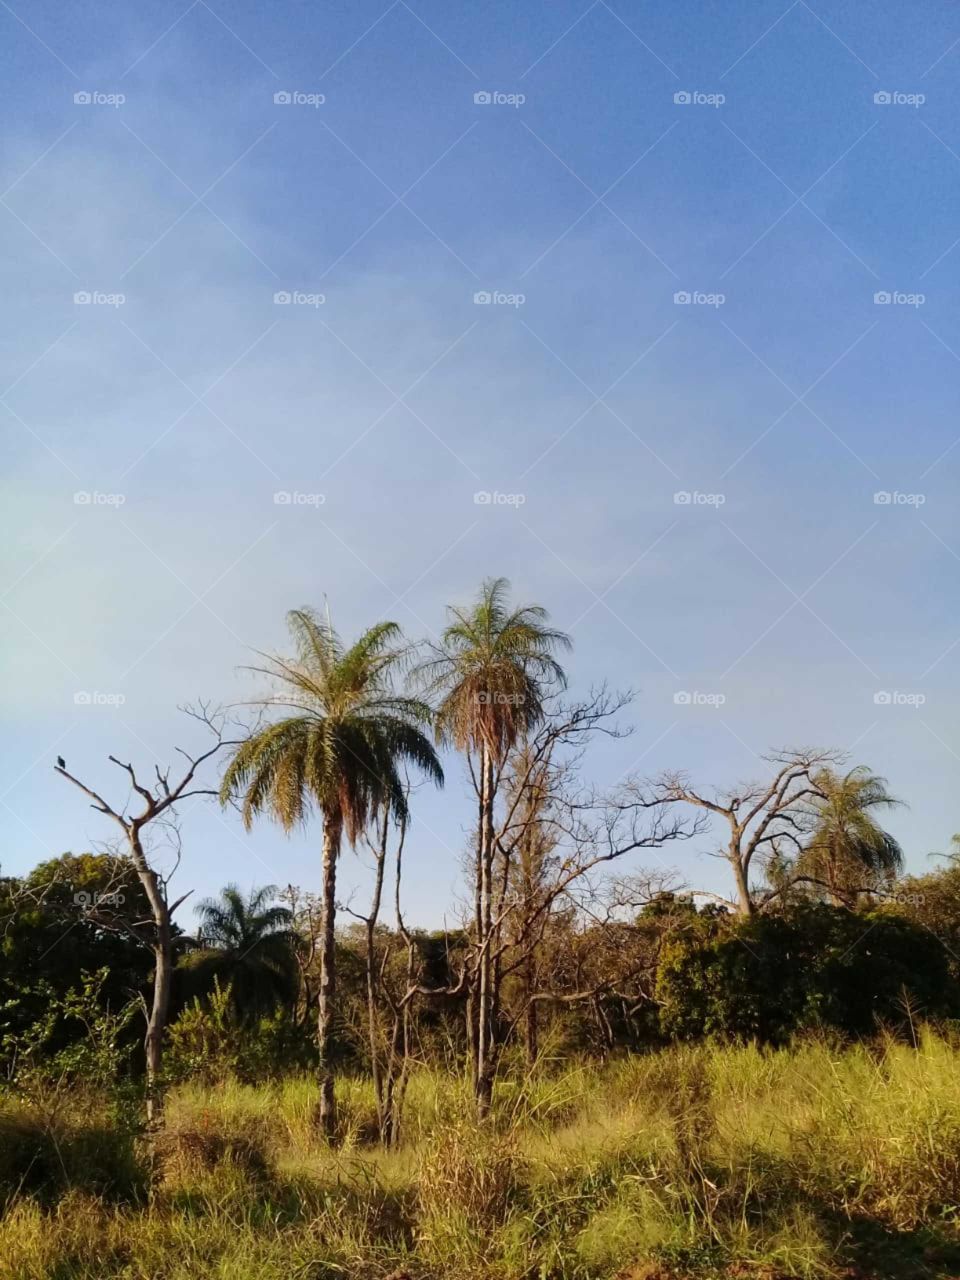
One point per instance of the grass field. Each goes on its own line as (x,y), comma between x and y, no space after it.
(812,1161)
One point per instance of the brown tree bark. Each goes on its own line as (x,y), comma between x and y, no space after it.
(485,1046)
(157,932)
(326,1004)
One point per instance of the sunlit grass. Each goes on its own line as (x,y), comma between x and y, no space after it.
(695,1158)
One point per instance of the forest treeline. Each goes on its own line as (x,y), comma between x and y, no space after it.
(566,943)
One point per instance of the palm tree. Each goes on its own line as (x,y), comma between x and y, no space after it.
(490,676)
(341,751)
(249,945)
(848,850)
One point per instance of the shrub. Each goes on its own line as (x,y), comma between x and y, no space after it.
(768,977)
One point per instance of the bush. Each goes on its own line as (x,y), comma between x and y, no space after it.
(769,977)
(209,1044)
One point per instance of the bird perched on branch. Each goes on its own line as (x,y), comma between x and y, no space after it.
(61,763)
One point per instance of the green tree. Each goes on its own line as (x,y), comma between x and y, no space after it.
(768,976)
(848,851)
(247,944)
(51,935)
(342,751)
(489,676)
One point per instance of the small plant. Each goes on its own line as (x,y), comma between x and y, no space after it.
(204,1042)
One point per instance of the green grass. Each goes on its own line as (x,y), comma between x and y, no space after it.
(815,1161)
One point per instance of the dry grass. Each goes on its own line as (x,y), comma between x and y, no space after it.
(696,1161)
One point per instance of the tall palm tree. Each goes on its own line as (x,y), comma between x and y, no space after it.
(250,944)
(342,751)
(848,850)
(489,677)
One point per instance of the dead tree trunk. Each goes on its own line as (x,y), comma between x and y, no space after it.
(155,933)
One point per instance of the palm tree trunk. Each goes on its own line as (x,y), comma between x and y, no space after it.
(328,977)
(485,1050)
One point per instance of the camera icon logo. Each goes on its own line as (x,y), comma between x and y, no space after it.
(483,98)
(682,98)
(82,99)
(282,298)
(882,98)
(882,298)
(82,698)
(682,498)
(882,498)
(82,298)
(282,98)
(882,698)
(482,498)
(482,298)
(681,298)
(682,699)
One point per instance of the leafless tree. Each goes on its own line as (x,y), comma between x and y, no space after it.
(391,971)
(157,800)
(766,821)
(554,841)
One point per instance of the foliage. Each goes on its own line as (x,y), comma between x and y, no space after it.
(50,1075)
(767,976)
(848,850)
(211,1042)
(47,941)
(95,1057)
(491,670)
(248,945)
(350,732)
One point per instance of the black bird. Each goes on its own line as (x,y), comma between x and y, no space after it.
(61,763)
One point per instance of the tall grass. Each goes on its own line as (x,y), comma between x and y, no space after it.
(693,1161)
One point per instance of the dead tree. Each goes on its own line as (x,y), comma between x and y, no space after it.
(307,912)
(763,818)
(389,1000)
(157,800)
(552,839)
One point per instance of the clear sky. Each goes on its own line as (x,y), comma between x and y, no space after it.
(734,153)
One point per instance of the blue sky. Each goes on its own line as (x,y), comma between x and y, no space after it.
(782,187)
